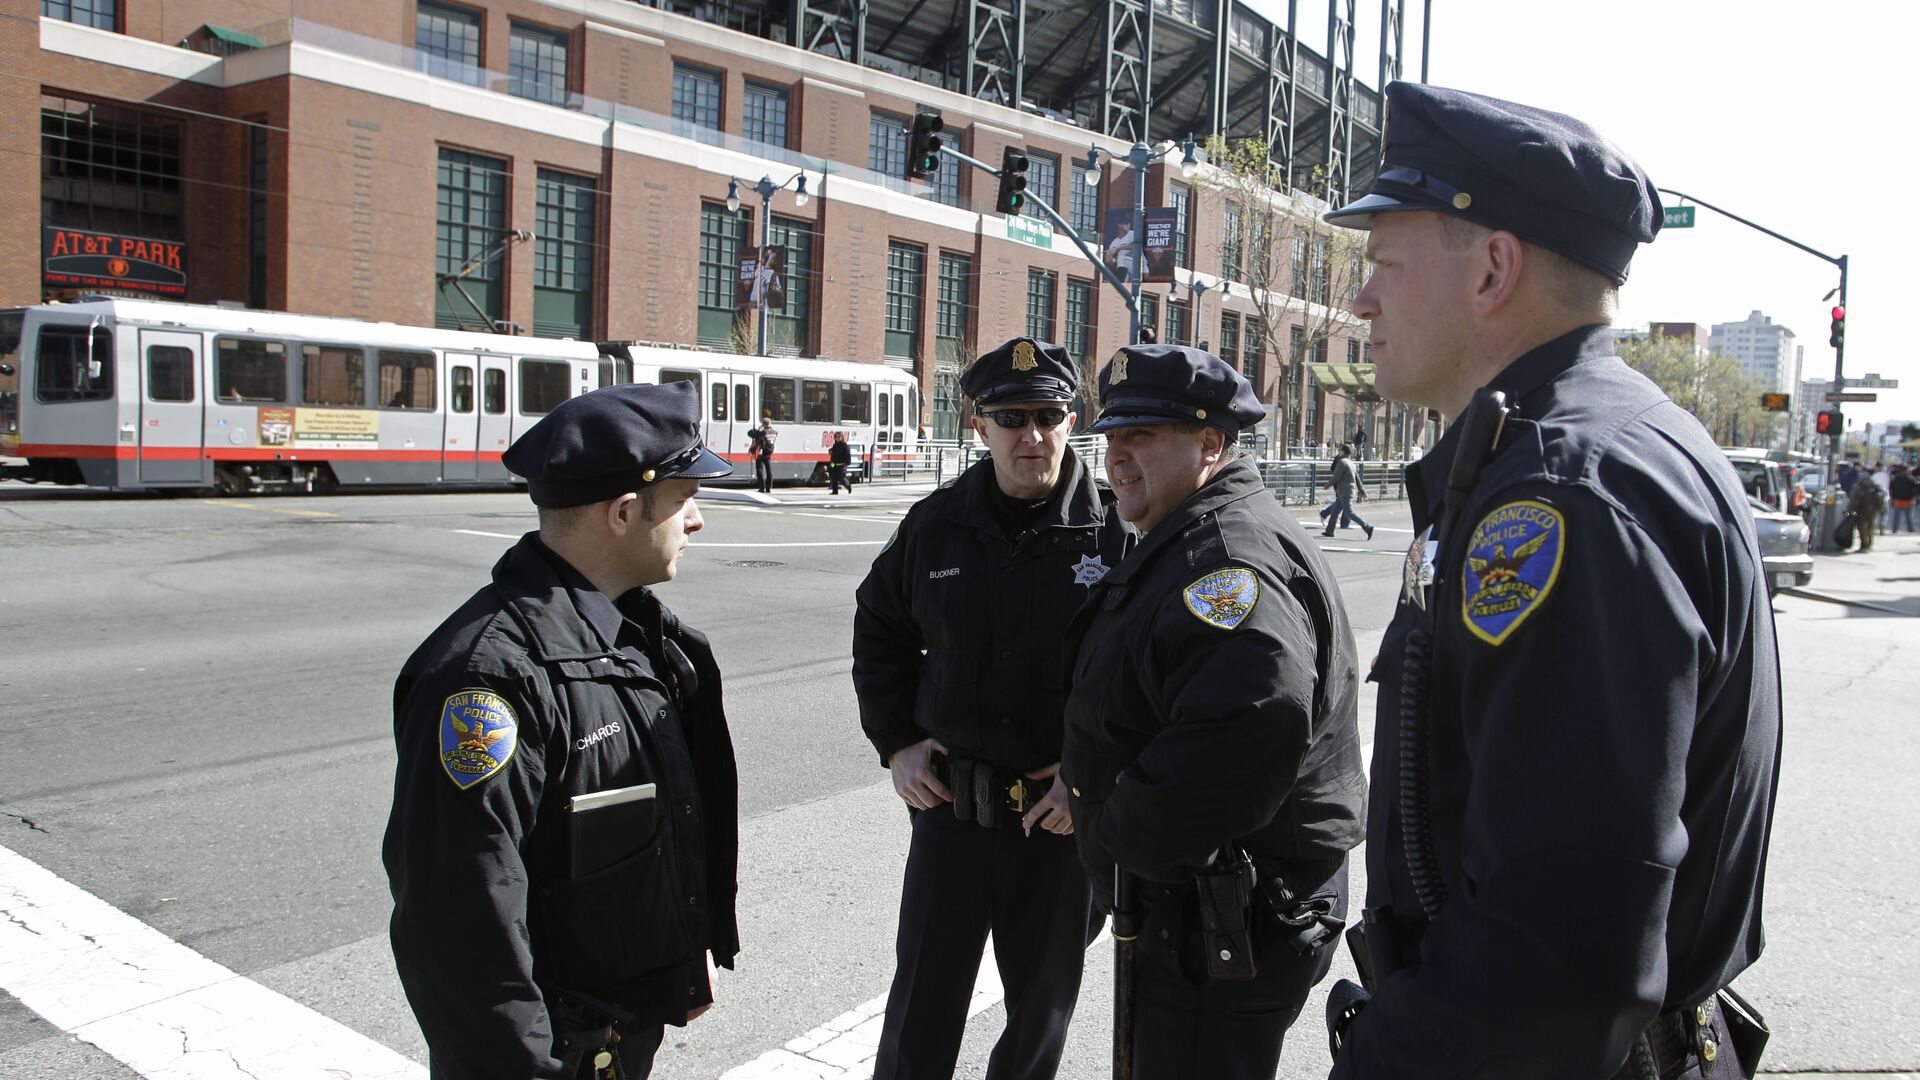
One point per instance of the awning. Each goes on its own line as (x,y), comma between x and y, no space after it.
(1352,379)
(233,37)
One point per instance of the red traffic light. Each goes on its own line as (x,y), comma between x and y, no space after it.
(1839,312)
(1829,422)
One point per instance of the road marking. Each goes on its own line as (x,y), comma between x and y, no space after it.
(477,532)
(795,543)
(266,509)
(163,1010)
(842,517)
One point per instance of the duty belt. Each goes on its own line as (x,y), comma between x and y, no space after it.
(987,793)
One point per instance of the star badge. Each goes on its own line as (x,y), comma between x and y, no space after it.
(1089,570)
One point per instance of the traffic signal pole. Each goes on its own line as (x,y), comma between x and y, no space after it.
(1828,518)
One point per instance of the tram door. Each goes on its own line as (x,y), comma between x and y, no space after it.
(496,427)
(172,408)
(730,415)
(477,430)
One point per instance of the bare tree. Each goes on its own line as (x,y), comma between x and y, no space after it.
(1300,272)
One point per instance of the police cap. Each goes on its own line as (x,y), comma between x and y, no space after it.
(1023,370)
(601,445)
(1168,384)
(1547,178)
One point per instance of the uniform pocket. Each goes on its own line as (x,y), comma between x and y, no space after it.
(610,926)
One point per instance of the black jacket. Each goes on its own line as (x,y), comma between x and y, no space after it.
(959,626)
(839,454)
(1603,729)
(487,924)
(1185,732)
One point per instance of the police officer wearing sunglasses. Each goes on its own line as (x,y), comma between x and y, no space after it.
(957,663)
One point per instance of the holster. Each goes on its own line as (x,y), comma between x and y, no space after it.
(1723,1037)
(1306,922)
(986,793)
(585,1035)
(1225,904)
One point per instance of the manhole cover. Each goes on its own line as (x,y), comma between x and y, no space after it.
(756,564)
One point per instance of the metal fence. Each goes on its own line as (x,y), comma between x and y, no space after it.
(1295,481)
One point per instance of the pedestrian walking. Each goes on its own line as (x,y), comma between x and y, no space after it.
(1346,487)
(564,831)
(839,456)
(1566,877)
(1901,490)
(1213,753)
(1865,501)
(1849,474)
(1359,442)
(956,661)
(761,441)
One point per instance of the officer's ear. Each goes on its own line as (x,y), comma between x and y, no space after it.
(1500,260)
(624,514)
(1213,443)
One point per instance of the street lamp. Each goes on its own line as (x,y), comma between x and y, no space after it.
(1199,290)
(766,187)
(1139,158)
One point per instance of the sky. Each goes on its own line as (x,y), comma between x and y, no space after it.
(1793,115)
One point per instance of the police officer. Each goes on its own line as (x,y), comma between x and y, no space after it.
(1212,743)
(532,944)
(1579,716)
(957,663)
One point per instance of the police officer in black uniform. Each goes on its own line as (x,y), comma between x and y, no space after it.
(957,663)
(1212,743)
(1579,720)
(532,944)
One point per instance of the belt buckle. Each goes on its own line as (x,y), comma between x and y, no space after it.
(1017,795)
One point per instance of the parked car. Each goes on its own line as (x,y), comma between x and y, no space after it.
(1760,475)
(1783,546)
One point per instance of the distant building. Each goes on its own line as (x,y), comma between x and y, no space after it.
(1764,349)
(1809,401)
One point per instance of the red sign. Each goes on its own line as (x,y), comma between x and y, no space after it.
(82,259)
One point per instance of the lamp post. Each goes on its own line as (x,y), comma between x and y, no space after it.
(1199,290)
(1139,158)
(766,187)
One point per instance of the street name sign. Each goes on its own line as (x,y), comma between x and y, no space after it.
(1028,231)
(1837,396)
(1679,217)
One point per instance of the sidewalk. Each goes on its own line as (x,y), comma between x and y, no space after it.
(1885,580)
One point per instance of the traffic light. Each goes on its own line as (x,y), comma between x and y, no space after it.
(1013,182)
(923,145)
(1829,422)
(1837,336)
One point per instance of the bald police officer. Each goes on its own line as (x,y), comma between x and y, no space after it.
(1212,742)
(957,663)
(534,939)
(1579,719)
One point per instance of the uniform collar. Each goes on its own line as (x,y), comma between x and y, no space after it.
(1236,481)
(565,616)
(1074,503)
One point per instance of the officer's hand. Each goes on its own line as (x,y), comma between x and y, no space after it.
(713,988)
(912,769)
(1051,812)
(1344,1003)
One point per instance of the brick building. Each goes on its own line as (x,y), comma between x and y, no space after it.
(572,160)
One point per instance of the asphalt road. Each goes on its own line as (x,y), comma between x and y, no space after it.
(195,719)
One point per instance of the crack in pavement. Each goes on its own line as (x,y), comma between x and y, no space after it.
(21,923)
(25,820)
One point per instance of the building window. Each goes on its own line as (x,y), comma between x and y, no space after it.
(257,214)
(696,99)
(1295,335)
(887,145)
(446,42)
(945,188)
(1041,286)
(1297,284)
(563,255)
(1253,344)
(1353,351)
(537,64)
(1182,223)
(1043,177)
(719,272)
(906,289)
(1083,210)
(1149,315)
(470,217)
(1079,319)
(1230,244)
(98,14)
(764,114)
(1177,329)
(109,169)
(1230,339)
(790,326)
(952,302)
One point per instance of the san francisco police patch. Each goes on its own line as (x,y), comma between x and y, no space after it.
(1223,598)
(478,734)
(1513,560)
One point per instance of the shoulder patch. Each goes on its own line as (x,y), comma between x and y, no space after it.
(1223,598)
(478,735)
(1513,560)
(891,537)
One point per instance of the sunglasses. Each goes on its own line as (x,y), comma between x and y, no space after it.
(1016,419)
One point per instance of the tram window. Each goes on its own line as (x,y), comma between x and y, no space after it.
(543,385)
(883,408)
(493,391)
(776,399)
(680,376)
(719,401)
(853,402)
(169,373)
(913,406)
(743,402)
(816,401)
(247,369)
(899,410)
(406,379)
(461,399)
(333,375)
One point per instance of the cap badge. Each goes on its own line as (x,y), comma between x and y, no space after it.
(1023,357)
(1119,367)
(647,476)
(1462,200)
(1199,414)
